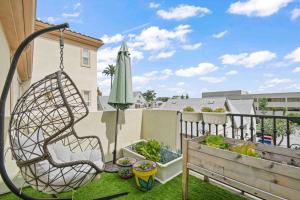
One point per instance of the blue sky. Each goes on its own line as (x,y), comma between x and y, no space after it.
(180,47)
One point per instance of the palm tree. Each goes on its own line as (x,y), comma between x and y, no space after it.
(110,71)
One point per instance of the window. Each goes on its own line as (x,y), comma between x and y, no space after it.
(294,99)
(87,97)
(85,57)
(276,99)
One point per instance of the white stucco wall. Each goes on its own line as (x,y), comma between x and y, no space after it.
(46,60)
(4,67)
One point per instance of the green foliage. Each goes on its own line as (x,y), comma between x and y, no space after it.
(220,110)
(280,127)
(262,105)
(188,109)
(206,109)
(149,149)
(149,95)
(216,141)
(297,121)
(110,71)
(187,96)
(163,99)
(245,149)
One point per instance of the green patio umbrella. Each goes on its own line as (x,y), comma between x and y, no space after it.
(121,96)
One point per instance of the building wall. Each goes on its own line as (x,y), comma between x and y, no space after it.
(5,64)
(46,60)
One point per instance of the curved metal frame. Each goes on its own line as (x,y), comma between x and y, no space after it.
(3,98)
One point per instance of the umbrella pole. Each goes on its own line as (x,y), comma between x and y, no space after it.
(116,136)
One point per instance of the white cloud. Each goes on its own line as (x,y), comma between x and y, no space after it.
(70,15)
(112,39)
(220,35)
(269,75)
(276,82)
(248,59)
(296,70)
(232,72)
(201,69)
(76,6)
(295,13)
(52,20)
(260,8)
(151,76)
(163,54)
(211,79)
(180,84)
(182,12)
(192,46)
(294,55)
(154,5)
(155,38)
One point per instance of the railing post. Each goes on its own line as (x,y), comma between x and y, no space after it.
(274,131)
(288,133)
(232,126)
(197,128)
(209,128)
(251,129)
(186,129)
(224,130)
(203,128)
(191,129)
(262,130)
(242,128)
(216,129)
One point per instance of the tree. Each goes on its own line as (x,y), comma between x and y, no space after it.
(280,127)
(262,105)
(186,96)
(110,71)
(149,95)
(182,97)
(163,99)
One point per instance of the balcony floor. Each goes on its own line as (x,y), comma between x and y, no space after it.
(110,184)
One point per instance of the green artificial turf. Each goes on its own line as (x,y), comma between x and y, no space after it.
(110,184)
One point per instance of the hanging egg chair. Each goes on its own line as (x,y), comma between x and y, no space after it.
(52,158)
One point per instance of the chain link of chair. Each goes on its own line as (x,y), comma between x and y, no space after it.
(61,45)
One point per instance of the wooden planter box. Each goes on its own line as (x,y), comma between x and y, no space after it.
(265,178)
(214,117)
(192,116)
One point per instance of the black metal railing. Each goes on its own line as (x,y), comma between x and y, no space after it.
(268,129)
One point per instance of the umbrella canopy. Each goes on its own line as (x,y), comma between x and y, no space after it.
(121,96)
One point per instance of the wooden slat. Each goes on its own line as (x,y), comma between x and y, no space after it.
(269,182)
(233,183)
(267,165)
(185,170)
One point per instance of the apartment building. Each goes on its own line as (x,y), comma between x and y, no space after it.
(80,60)
(280,102)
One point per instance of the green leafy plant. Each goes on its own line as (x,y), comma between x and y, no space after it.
(149,149)
(206,109)
(188,109)
(216,141)
(220,110)
(245,149)
(297,121)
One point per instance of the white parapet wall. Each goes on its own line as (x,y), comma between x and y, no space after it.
(162,125)
(102,124)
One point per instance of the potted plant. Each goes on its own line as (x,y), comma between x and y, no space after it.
(169,163)
(189,114)
(125,167)
(217,116)
(144,171)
